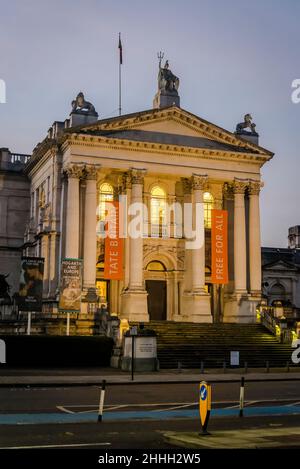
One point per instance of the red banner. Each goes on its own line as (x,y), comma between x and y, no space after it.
(219,246)
(113,255)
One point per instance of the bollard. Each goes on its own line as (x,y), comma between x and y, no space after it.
(242,394)
(101,401)
(288,366)
(204,406)
(202,367)
(224,367)
(246,367)
(267,366)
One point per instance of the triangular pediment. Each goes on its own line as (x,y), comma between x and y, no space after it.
(172,126)
(280,265)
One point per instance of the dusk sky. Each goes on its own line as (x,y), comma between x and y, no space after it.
(232,57)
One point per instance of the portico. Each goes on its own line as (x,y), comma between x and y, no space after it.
(163,157)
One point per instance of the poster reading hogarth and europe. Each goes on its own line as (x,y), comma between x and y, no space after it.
(31,284)
(70,285)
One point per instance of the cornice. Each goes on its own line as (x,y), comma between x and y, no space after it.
(159,148)
(181,116)
(40,151)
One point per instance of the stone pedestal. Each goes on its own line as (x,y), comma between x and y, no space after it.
(166,99)
(240,309)
(82,118)
(145,353)
(252,137)
(134,306)
(196,307)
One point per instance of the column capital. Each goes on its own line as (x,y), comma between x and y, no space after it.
(126,181)
(187,185)
(74,171)
(90,172)
(137,175)
(240,185)
(199,181)
(227,190)
(254,187)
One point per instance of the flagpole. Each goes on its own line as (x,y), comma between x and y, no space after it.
(120,90)
(120,76)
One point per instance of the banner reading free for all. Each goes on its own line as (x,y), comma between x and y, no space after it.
(219,246)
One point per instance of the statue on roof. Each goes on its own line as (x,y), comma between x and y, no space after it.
(247,124)
(80,105)
(167,81)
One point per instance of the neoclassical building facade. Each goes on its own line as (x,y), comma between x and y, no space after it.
(160,157)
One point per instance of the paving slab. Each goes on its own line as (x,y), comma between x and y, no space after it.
(234,439)
(70,377)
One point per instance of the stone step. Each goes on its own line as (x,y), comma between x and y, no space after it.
(191,343)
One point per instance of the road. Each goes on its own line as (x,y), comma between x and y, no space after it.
(136,414)
(87,398)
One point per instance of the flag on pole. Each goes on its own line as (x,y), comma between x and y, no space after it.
(120,49)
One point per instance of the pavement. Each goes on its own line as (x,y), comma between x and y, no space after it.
(239,438)
(94,376)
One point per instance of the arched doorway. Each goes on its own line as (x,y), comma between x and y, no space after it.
(157,291)
(277,293)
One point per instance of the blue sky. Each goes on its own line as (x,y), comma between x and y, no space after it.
(232,57)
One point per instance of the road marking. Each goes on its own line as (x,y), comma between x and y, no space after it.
(176,407)
(294,403)
(63,409)
(135,405)
(94,409)
(74,445)
(127,415)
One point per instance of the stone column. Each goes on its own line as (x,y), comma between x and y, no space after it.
(187,199)
(134,300)
(89,233)
(54,263)
(198,255)
(126,191)
(240,251)
(254,238)
(136,244)
(74,172)
(196,303)
(45,255)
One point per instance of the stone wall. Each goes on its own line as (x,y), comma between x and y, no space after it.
(14,214)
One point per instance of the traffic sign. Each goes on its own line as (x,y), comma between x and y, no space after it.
(204,404)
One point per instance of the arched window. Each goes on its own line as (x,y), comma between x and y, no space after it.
(106,194)
(208,206)
(158,210)
(277,293)
(156,266)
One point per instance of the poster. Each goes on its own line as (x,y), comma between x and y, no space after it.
(219,246)
(70,285)
(113,253)
(31,284)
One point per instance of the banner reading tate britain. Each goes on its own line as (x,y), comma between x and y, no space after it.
(219,246)
(113,254)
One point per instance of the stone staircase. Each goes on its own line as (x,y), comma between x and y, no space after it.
(190,344)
